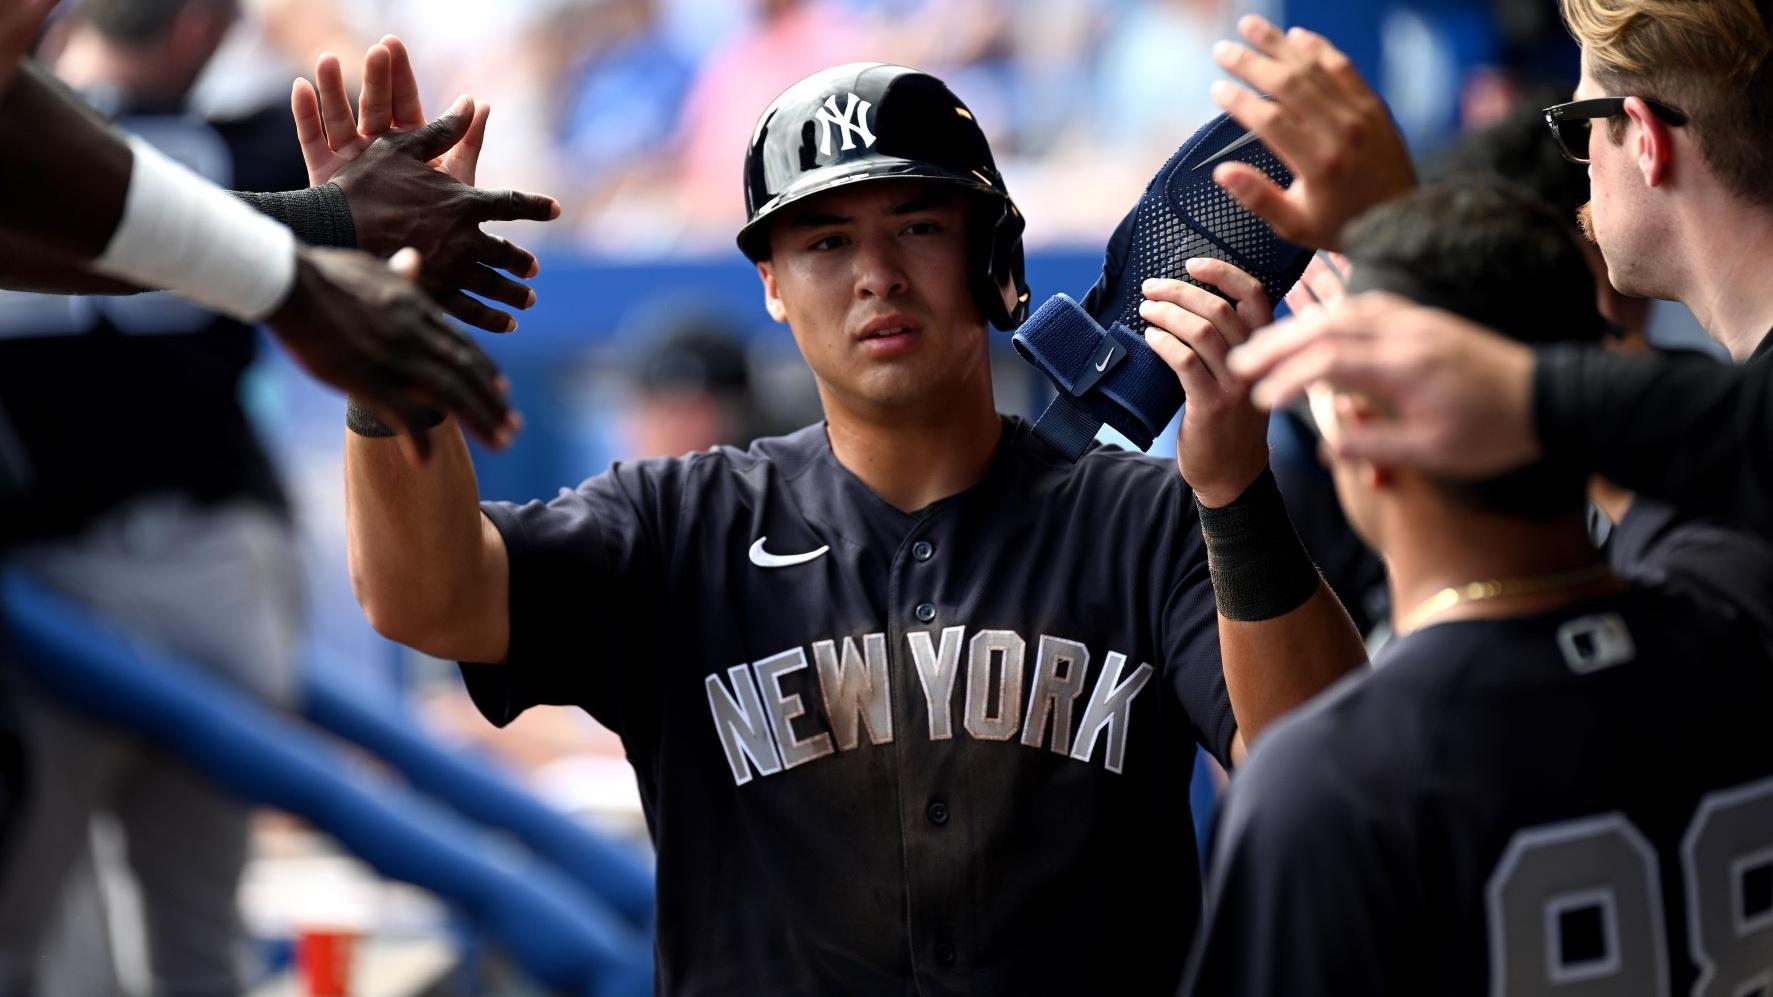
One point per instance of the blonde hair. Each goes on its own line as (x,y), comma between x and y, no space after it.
(1710,58)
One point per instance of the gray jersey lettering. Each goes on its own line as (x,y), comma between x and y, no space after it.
(1111,706)
(1060,667)
(855,685)
(1729,841)
(1598,869)
(784,708)
(1008,648)
(740,723)
(935,672)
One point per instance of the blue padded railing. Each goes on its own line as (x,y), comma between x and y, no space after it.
(478,792)
(546,921)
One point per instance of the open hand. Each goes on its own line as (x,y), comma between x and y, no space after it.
(410,184)
(1323,121)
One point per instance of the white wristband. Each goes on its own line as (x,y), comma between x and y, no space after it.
(183,233)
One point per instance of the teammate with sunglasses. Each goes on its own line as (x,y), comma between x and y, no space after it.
(1681,210)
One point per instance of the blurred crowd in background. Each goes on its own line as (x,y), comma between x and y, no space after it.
(634,113)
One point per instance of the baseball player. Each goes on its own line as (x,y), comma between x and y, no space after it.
(110,216)
(1681,429)
(187,546)
(1555,781)
(913,698)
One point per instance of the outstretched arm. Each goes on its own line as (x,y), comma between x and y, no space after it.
(1466,403)
(137,217)
(428,569)
(1283,636)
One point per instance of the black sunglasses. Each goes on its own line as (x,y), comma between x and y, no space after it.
(1573,122)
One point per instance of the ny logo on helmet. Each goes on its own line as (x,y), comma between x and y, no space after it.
(852,121)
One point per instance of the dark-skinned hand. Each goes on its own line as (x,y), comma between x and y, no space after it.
(398,200)
(362,326)
(19,22)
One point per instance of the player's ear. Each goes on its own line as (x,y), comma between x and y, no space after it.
(772,300)
(1653,147)
(1360,411)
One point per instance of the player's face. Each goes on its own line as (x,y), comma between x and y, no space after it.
(1620,217)
(872,279)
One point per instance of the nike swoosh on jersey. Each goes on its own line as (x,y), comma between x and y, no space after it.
(764,559)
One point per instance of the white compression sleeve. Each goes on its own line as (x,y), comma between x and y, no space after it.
(182,233)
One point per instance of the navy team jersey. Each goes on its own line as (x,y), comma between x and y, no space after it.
(941,752)
(110,398)
(1579,802)
(1727,570)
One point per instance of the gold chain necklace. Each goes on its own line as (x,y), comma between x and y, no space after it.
(1498,588)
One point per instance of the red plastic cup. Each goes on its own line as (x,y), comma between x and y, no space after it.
(324,957)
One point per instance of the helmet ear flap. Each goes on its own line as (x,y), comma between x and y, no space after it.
(1001,283)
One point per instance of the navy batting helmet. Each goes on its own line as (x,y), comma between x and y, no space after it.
(873,121)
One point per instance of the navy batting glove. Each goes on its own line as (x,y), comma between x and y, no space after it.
(1095,353)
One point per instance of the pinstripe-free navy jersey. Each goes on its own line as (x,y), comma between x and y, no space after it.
(940,752)
(1573,802)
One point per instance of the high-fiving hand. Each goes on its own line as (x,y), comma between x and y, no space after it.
(354,323)
(410,184)
(1322,120)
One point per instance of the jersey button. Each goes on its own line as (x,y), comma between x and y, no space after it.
(937,813)
(945,954)
(923,550)
(926,611)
